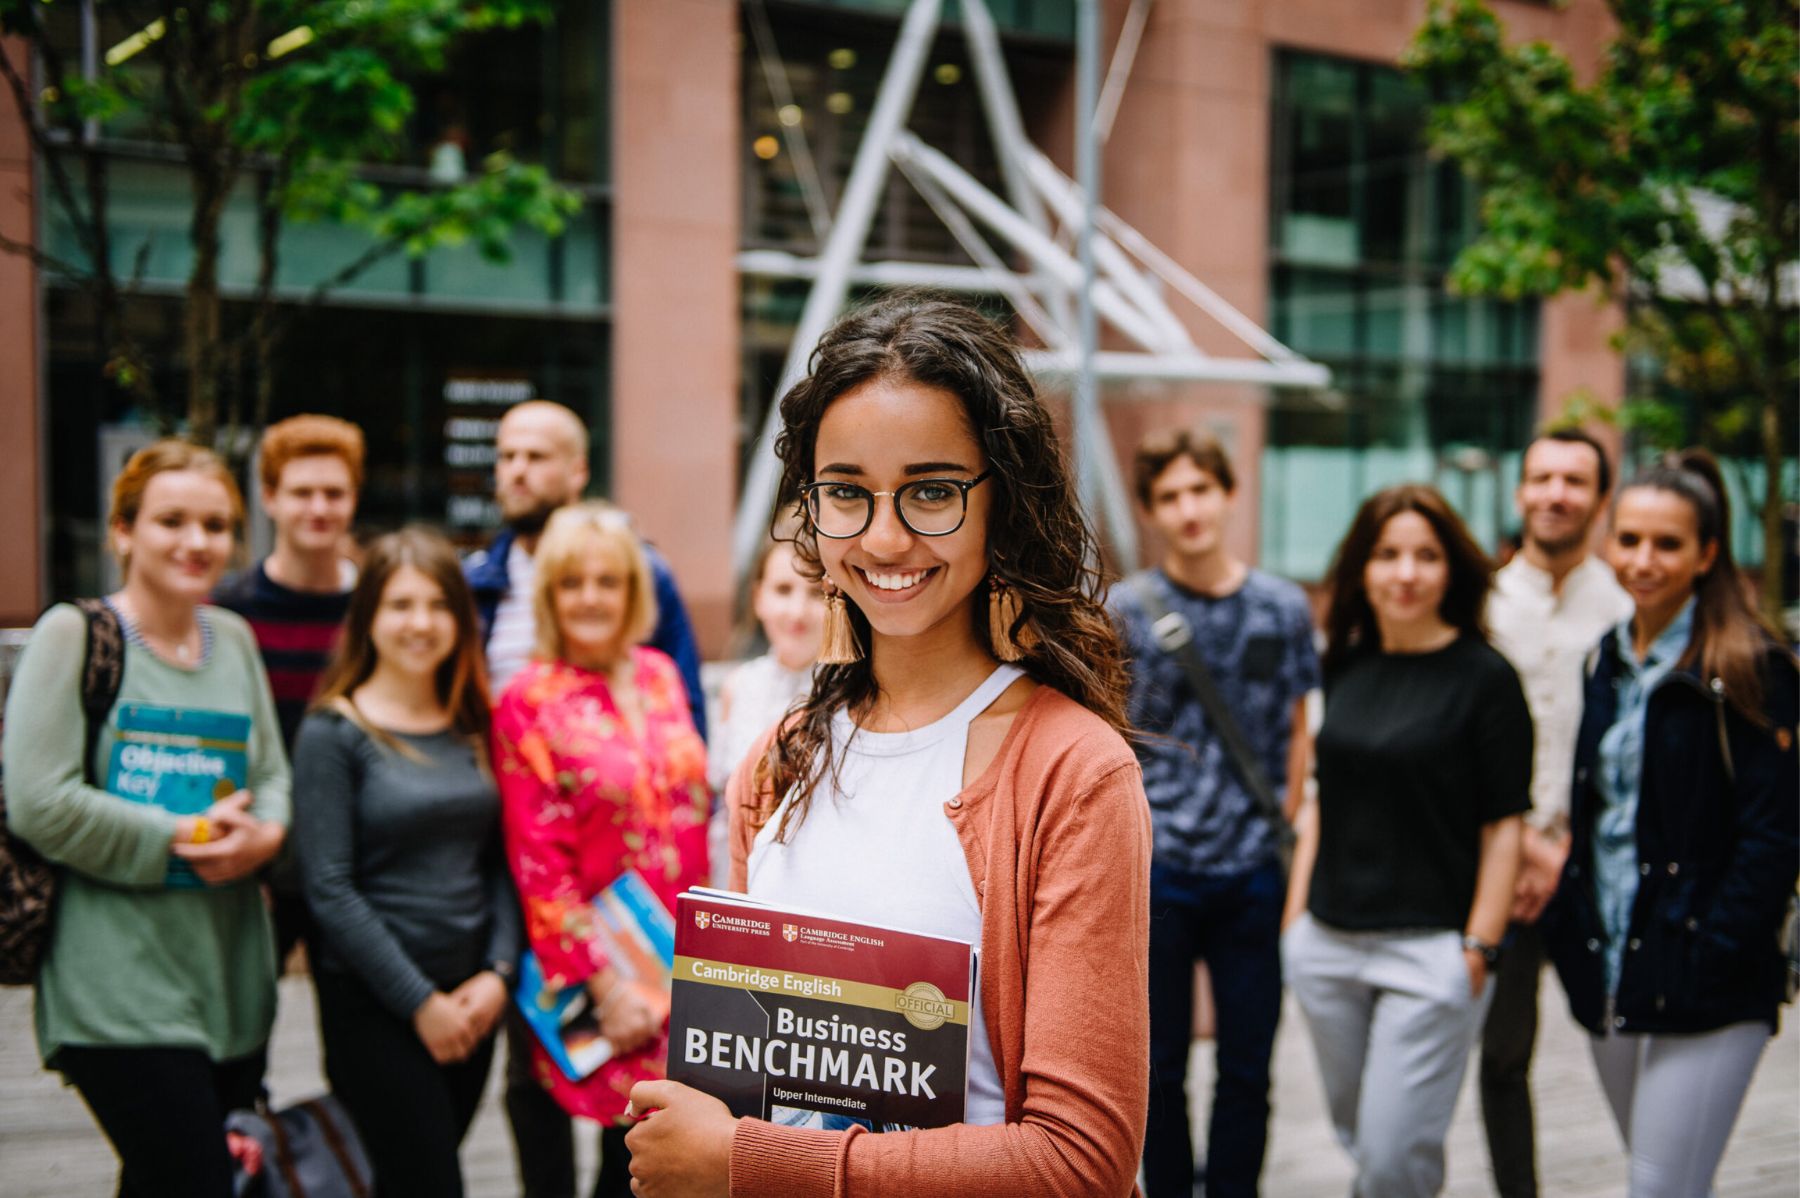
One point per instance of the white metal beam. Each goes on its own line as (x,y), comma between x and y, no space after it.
(780,264)
(1005,126)
(1051,364)
(991,211)
(1064,198)
(1194,368)
(849,233)
(984,257)
(1131,34)
(1097,469)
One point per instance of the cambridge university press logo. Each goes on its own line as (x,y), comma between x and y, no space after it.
(789,932)
(702,919)
(925,1006)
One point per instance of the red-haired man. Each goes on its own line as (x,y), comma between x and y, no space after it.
(309,468)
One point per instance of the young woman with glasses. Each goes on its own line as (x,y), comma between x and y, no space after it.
(958,767)
(1684,832)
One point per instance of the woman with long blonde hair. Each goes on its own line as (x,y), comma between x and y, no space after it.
(601,771)
(398,838)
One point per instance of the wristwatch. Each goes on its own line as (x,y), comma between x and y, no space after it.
(1490,953)
(505,971)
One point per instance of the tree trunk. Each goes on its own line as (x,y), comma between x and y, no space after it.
(263,327)
(201,328)
(1774,551)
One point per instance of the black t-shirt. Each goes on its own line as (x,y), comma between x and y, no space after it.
(1417,752)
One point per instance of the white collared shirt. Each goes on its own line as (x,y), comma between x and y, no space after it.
(1546,635)
(514,636)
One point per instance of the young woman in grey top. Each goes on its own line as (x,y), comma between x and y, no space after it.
(398,838)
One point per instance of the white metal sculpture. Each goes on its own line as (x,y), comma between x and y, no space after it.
(1123,276)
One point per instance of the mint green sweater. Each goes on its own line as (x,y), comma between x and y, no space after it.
(132,962)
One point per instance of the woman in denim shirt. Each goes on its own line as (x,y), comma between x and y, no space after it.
(1683,834)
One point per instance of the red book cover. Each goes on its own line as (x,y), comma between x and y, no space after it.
(805,1020)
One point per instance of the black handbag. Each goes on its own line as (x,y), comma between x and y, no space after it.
(27,881)
(309,1150)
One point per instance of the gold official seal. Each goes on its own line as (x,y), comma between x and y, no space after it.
(925,1006)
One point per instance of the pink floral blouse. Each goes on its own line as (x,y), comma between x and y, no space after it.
(583,798)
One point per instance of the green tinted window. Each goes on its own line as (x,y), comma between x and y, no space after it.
(1426,384)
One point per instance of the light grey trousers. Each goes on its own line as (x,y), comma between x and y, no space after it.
(1675,1098)
(1392,1024)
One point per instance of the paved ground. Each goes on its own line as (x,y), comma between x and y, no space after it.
(49,1148)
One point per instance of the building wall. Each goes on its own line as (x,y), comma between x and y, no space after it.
(21,470)
(675,298)
(1188,165)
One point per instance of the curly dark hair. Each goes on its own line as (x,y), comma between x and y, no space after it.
(1350,621)
(1039,541)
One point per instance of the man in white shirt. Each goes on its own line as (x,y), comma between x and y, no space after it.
(1549,607)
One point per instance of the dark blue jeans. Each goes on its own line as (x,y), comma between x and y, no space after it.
(1234,925)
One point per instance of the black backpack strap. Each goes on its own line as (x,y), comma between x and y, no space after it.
(1175,636)
(340,1149)
(102,673)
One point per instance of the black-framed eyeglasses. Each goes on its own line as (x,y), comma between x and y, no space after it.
(930,507)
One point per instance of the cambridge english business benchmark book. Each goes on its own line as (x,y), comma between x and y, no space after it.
(810,1021)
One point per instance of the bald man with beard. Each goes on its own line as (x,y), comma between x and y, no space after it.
(541,465)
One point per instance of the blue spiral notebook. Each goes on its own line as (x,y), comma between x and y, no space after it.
(637,933)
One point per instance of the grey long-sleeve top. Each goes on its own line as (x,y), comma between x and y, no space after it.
(401,860)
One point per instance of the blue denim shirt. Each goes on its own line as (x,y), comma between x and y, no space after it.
(1620,777)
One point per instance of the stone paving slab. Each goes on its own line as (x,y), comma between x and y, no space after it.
(49,1147)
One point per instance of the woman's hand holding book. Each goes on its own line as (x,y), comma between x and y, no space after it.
(681,1147)
(629,1017)
(227,842)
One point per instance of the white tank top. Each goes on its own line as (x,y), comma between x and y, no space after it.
(878,848)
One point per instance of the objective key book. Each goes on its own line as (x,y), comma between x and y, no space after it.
(806,1020)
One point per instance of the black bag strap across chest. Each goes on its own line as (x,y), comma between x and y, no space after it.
(1175,636)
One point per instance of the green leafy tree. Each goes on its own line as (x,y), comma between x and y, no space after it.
(297,98)
(1669,182)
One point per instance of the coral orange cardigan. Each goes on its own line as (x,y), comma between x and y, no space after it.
(1057,835)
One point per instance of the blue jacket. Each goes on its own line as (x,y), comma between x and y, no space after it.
(1718,851)
(486,572)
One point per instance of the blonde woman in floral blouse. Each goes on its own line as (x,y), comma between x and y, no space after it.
(600,771)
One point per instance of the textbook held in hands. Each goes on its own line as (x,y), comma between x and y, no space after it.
(806,1020)
(638,937)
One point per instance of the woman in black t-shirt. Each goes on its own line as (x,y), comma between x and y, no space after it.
(1403,876)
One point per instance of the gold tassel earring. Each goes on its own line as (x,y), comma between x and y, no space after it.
(1004,610)
(839,646)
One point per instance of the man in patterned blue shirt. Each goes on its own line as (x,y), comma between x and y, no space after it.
(1217,882)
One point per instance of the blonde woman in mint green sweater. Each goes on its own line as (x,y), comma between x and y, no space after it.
(157,993)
